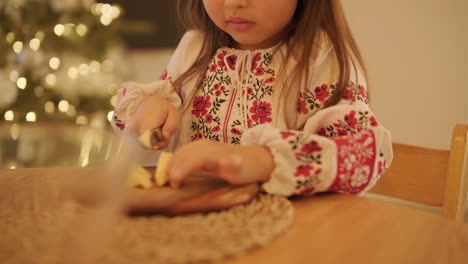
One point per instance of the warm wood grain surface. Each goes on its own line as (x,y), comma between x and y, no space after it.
(340,228)
(337,228)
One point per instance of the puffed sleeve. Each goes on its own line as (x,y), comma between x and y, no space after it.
(342,148)
(130,94)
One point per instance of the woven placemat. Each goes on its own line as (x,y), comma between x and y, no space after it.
(200,237)
(29,236)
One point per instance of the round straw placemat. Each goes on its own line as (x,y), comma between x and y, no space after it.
(199,237)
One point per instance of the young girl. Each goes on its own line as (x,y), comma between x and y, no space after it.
(268,91)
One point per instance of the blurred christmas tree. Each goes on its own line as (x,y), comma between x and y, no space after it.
(60,60)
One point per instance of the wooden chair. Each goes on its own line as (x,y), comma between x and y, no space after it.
(430,176)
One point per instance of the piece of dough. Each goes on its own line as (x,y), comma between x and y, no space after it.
(139,177)
(160,172)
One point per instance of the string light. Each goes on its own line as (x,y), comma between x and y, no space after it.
(31,117)
(73,73)
(106,9)
(106,19)
(110,115)
(81,30)
(69,28)
(35,44)
(51,79)
(113,100)
(15,131)
(71,111)
(59,29)
(95,66)
(54,63)
(18,47)
(49,107)
(9,115)
(14,76)
(40,35)
(63,106)
(96,8)
(81,120)
(10,37)
(21,83)
(83,69)
(115,12)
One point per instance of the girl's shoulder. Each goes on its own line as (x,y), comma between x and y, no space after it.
(323,47)
(185,53)
(191,39)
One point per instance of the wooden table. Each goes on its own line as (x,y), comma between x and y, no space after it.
(336,228)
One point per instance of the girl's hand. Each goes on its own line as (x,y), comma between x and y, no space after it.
(153,112)
(234,163)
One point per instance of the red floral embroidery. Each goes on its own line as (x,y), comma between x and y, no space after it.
(322,92)
(216,104)
(231,60)
(215,129)
(351,120)
(212,67)
(301,106)
(356,159)
(256,59)
(307,191)
(311,147)
(373,121)
(198,136)
(352,123)
(303,170)
(201,105)
(354,92)
(313,100)
(348,94)
(261,112)
(382,166)
(286,134)
(118,123)
(208,119)
(220,57)
(163,75)
(362,91)
(259,71)
(235,132)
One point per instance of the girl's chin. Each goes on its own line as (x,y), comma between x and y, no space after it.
(249,44)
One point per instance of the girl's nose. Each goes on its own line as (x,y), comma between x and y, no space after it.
(235,3)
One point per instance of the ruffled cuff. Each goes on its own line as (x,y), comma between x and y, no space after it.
(130,94)
(283,180)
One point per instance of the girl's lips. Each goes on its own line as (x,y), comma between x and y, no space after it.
(240,25)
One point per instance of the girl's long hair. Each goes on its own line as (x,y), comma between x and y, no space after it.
(311,20)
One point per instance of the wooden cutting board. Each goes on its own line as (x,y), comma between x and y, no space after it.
(198,194)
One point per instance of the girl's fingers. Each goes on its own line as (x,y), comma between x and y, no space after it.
(178,173)
(169,126)
(156,120)
(171,123)
(229,169)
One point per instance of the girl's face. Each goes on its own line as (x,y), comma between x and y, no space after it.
(253,24)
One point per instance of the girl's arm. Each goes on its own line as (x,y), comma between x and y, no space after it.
(131,94)
(342,148)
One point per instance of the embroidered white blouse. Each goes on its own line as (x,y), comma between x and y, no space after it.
(341,148)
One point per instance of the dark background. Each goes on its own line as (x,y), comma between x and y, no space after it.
(148,23)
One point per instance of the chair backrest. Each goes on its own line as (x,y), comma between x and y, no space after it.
(430,176)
